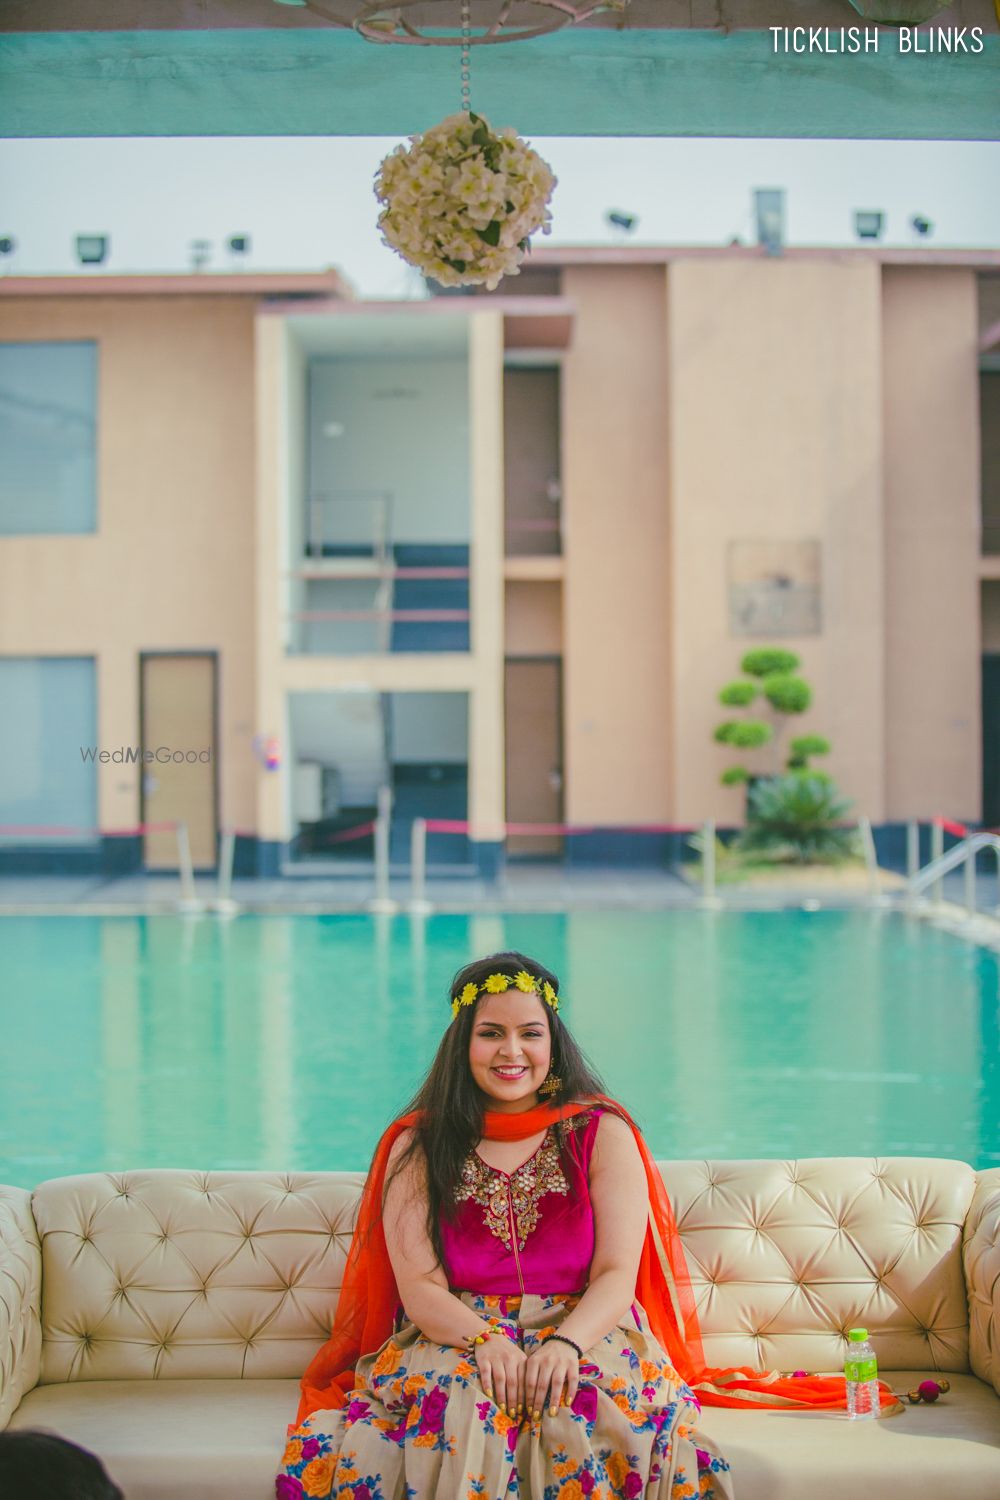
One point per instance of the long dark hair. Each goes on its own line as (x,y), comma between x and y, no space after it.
(450,1102)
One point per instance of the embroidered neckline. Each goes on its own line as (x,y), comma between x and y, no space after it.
(491,1168)
(505,1197)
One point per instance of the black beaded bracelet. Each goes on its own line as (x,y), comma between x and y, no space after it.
(562,1339)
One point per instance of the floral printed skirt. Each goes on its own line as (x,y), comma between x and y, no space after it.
(421,1428)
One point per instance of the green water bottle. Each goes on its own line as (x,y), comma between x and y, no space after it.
(861,1375)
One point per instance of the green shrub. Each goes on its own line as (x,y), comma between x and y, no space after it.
(764,660)
(748,734)
(738,694)
(795,817)
(734,776)
(810,744)
(789,695)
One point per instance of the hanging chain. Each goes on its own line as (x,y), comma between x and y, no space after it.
(466,105)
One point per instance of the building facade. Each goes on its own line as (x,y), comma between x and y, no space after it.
(496,553)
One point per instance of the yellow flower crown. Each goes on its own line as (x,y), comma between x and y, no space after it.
(496,984)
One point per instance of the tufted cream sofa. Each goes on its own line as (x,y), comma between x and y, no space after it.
(161,1318)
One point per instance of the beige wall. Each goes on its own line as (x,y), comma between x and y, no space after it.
(931,406)
(171,564)
(616,603)
(533,619)
(775,424)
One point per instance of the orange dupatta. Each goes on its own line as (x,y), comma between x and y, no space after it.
(369,1296)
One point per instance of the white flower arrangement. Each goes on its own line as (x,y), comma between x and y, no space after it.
(462,200)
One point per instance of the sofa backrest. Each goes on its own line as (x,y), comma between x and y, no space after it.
(785,1256)
(173,1274)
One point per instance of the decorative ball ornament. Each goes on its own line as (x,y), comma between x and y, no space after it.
(462,200)
(929,1391)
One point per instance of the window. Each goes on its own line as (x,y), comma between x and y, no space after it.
(48,752)
(48,431)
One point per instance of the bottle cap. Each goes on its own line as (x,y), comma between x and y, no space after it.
(857,1335)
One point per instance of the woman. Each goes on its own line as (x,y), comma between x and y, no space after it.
(513,1286)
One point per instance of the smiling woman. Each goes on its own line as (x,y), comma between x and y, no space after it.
(489,1307)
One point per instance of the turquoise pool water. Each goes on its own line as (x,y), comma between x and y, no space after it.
(288,1041)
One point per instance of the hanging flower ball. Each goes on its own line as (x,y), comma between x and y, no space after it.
(462,200)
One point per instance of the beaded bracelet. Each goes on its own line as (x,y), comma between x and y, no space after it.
(562,1339)
(493,1325)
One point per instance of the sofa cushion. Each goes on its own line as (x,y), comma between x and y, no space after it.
(163,1439)
(785,1256)
(223,1439)
(938,1452)
(173,1274)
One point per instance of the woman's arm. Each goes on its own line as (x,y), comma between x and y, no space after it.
(620,1198)
(423,1285)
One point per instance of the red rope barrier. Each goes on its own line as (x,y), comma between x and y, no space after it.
(958,829)
(563,830)
(50,830)
(361,831)
(406,616)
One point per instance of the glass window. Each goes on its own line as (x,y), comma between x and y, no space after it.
(48,747)
(48,432)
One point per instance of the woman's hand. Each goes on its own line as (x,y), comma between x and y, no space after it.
(501,1365)
(552,1375)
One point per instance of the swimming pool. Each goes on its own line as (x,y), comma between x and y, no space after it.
(288,1041)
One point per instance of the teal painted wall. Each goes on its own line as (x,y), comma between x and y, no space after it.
(652,83)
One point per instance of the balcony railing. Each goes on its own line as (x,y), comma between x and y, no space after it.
(346,523)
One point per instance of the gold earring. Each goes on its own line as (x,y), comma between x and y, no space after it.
(552,1084)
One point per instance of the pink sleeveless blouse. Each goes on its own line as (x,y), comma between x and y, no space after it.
(531,1230)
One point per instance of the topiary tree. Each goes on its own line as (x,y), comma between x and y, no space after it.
(771,673)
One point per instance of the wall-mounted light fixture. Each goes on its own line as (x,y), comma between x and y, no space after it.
(869,223)
(769,217)
(92,249)
(618,219)
(922,225)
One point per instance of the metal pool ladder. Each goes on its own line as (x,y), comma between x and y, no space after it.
(962,854)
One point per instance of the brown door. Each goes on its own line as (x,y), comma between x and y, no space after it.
(533,719)
(177,726)
(531,461)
